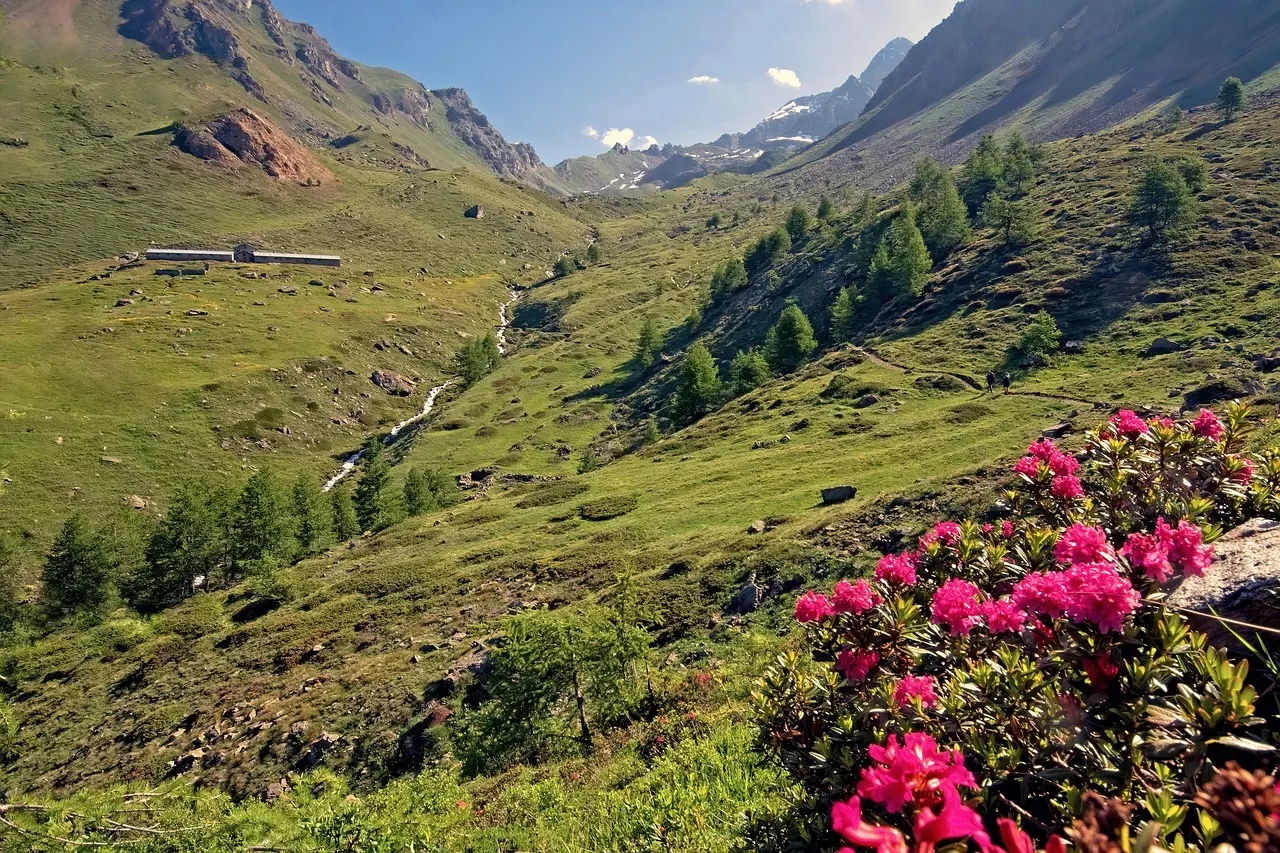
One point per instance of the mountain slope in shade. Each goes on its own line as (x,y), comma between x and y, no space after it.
(884,62)
(1053,69)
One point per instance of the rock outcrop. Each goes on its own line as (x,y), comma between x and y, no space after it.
(175,30)
(473,127)
(243,136)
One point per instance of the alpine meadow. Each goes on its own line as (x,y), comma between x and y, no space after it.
(901,474)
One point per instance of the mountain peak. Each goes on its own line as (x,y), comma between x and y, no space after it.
(885,61)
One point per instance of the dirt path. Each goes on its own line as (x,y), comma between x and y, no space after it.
(429,405)
(968,381)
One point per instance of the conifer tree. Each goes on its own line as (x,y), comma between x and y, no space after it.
(699,384)
(728,277)
(478,359)
(313,513)
(1231,98)
(346,524)
(768,250)
(594,253)
(791,341)
(748,371)
(826,210)
(983,174)
(652,435)
(648,343)
(842,317)
(264,525)
(77,572)
(902,263)
(418,499)
(1162,203)
(190,542)
(565,267)
(370,494)
(1012,219)
(943,221)
(1021,162)
(798,223)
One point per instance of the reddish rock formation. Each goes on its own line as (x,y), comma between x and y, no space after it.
(245,136)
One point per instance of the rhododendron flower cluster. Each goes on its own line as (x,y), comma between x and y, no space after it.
(1208,426)
(1081,543)
(897,568)
(857,665)
(912,772)
(1004,616)
(1169,549)
(1045,452)
(915,687)
(813,607)
(959,606)
(854,597)
(1087,592)
(1067,488)
(1129,425)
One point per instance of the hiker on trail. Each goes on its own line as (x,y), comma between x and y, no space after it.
(991,381)
(1007,380)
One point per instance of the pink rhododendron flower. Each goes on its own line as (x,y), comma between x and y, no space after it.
(987,528)
(1208,426)
(1004,617)
(1017,841)
(1044,594)
(954,820)
(958,605)
(1067,488)
(1148,553)
(897,568)
(1186,547)
(857,665)
(1097,593)
(1028,466)
(913,772)
(1100,670)
(1245,475)
(813,607)
(915,687)
(1007,529)
(1081,543)
(846,821)
(1167,423)
(1063,464)
(946,532)
(1129,425)
(854,597)
(1043,449)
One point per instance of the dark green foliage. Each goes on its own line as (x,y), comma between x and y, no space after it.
(10,609)
(263,524)
(842,317)
(607,508)
(748,371)
(767,251)
(1012,219)
(313,514)
(588,462)
(798,223)
(1162,202)
(551,494)
(1194,171)
(728,277)
(1231,98)
(648,344)
(371,489)
(652,435)
(902,263)
(791,341)
(346,524)
(982,174)
(478,359)
(565,267)
(865,213)
(942,219)
(1021,163)
(594,253)
(699,387)
(428,491)
(77,575)
(191,541)
(1041,338)
(826,210)
(555,676)
(713,221)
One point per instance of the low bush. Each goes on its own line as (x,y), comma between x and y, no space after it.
(552,494)
(1004,680)
(607,508)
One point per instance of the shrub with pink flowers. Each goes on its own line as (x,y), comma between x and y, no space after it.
(985,684)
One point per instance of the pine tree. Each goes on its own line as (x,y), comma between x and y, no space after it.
(699,384)
(901,264)
(648,344)
(983,174)
(77,572)
(798,223)
(264,524)
(189,543)
(443,488)
(1231,98)
(418,499)
(728,277)
(826,210)
(594,253)
(565,267)
(1021,162)
(1161,202)
(1041,338)
(943,221)
(313,513)
(652,435)
(346,524)
(865,212)
(842,317)
(1012,219)
(793,341)
(370,497)
(478,359)
(748,371)
(767,251)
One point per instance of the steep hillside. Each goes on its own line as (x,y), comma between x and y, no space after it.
(1052,69)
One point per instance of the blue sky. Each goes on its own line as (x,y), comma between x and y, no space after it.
(546,70)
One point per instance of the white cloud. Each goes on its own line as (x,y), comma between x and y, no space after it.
(785,77)
(615,135)
(591,131)
(645,142)
(704,79)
